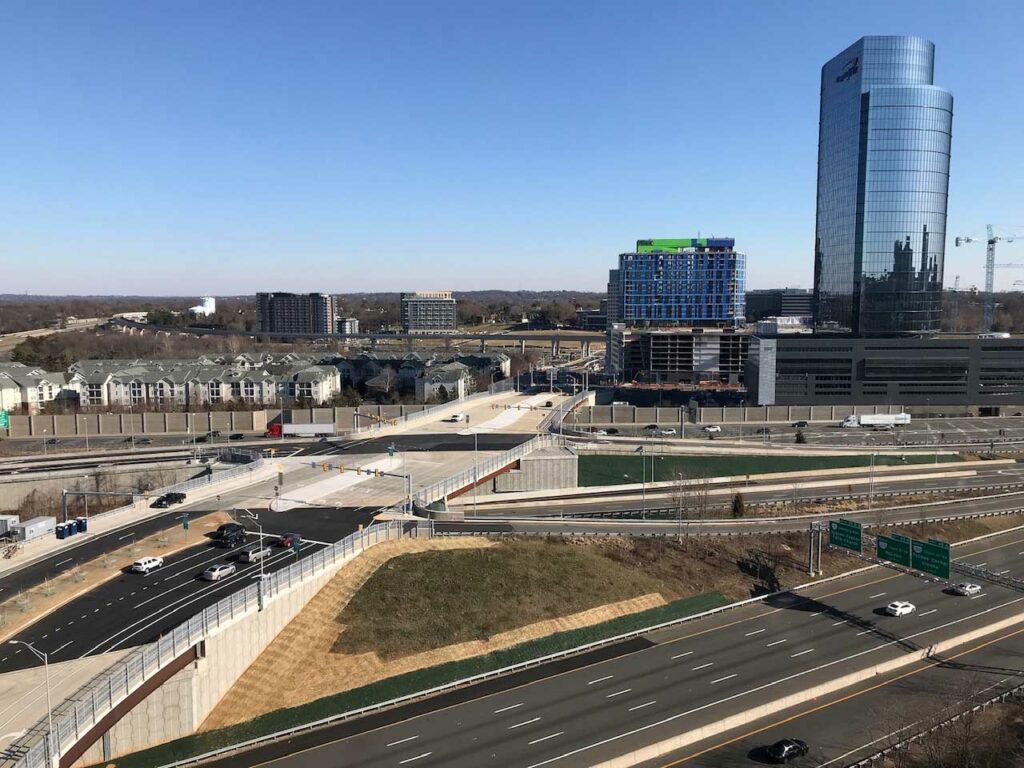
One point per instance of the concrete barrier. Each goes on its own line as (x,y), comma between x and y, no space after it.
(664,747)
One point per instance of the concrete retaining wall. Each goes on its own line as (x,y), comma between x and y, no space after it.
(181,704)
(547,469)
(14,488)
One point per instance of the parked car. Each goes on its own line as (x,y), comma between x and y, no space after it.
(900,608)
(218,571)
(146,564)
(236,436)
(800,424)
(254,554)
(288,539)
(199,439)
(786,749)
(712,429)
(967,589)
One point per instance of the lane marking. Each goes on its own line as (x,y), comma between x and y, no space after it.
(809,650)
(776,642)
(723,679)
(69,642)
(703,666)
(864,632)
(975,597)
(545,738)
(402,741)
(525,722)
(618,693)
(837,623)
(601,679)
(641,706)
(62,562)
(880,594)
(927,613)
(681,655)
(412,759)
(755,632)
(506,709)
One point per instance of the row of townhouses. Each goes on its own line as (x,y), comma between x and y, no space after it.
(259,380)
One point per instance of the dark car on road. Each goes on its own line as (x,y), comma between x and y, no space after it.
(53,441)
(162,502)
(236,436)
(799,424)
(288,539)
(213,433)
(785,750)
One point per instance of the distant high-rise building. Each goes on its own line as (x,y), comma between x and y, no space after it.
(298,313)
(428,312)
(883,177)
(347,325)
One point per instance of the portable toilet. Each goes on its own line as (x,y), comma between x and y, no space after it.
(83,524)
(62,532)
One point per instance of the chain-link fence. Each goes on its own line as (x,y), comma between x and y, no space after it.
(73,717)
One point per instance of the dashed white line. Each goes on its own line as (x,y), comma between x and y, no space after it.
(979,565)
(776,642)
(703,666)
(682,655)
(975,597)
(927,613)
(525,722)
(801,653)
(723,679)
(641,706)
(601,679)
(69,642)
(545,738)
(755,632)
(412,759)
(506,709)
(402,741)
(837,623)
(880,594)
(818,613)
(62,562)
(1002,573)
(864,632)
(618,693)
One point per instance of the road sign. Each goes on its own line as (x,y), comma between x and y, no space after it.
(930,557)
(845,534)
(5,420)
(894,549)
(184,521)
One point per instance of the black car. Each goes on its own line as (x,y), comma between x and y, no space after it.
(236,436)
(785,750)
(611,430)
(200,439)
(160,502)
(175,497)
(228,529)
(53,441)
(231,539)
(213,433)
(799,424)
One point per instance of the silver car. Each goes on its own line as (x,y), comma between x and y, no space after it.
(254,554)
(218,571)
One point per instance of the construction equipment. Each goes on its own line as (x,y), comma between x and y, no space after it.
(990,271)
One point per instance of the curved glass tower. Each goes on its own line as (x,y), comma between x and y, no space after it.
(883,176)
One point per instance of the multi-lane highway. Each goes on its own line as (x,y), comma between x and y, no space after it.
(670,682)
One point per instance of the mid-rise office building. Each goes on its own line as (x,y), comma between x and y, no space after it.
(298,313)
(347,325)
(428,312)
(779,302)
(684,356)
(883,177)
(679,281)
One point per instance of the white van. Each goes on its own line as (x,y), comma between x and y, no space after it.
(146,564)
(254,554)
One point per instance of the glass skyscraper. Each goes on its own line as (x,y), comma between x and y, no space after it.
(883,177)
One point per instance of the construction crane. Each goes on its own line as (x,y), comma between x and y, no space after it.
(990,270)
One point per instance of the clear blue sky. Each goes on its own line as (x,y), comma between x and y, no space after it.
(194,146)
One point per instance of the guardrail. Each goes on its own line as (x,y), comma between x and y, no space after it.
(443,488)
(74,717)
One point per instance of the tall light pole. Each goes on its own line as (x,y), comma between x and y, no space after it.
(476,467)
(256,519)
(85,421)
(50,741)
(871,482)
(131,424)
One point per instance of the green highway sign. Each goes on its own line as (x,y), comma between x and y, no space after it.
(5,420)
(845,534)
(895,549)
(931,557)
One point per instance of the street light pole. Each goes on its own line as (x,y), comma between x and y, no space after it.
(86,422)
(871,483)
(45,657)
(256,519)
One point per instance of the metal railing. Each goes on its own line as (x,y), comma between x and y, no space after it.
(449,485)
(76,715)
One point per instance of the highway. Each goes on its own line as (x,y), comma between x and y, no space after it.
(667,683)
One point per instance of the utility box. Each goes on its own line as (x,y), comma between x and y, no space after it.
(34,528)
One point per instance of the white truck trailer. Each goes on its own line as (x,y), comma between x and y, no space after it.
(877,420)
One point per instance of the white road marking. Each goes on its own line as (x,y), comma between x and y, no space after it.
(979,565)
(681,655)
(402,741)
(927,613)
(1002,573)
(755,632)
(545,738)
(506,709)
(418,757)
(703,666)
(864,632)
(801,653)
(837,623)
(821,612)
(525,722)
(975,597)
(62,562)
(777,642)
(880,594)
(618,693)
(601,679)
(641,706)
(69,642)
(723,679)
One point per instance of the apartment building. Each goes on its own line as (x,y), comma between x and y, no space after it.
(428,312)
(298,313)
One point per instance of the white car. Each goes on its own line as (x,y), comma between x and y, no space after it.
(255,554)
(712,429)
(900,608)
(967,589)
(598,432)
(146,564)
(665,432)
(218,571)
(455,418)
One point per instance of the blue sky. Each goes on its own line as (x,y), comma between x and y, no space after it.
(197,146)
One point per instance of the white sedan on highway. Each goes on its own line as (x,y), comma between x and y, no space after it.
(967,589)
(900,608)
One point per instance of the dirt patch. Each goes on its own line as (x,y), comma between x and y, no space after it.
(959,530)
(33,604)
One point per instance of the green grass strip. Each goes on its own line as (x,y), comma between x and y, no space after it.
(412,682)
